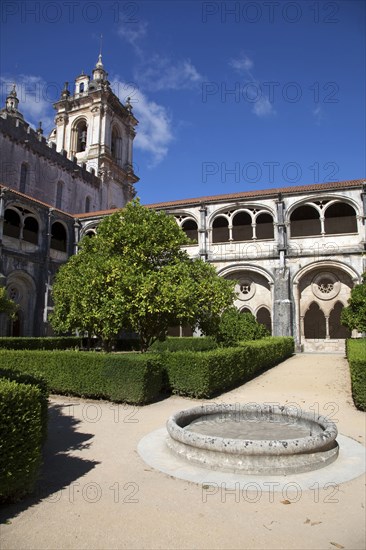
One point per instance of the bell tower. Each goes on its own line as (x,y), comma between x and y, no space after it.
(94,128)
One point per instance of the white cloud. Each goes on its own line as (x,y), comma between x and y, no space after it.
(263,107)
(241,64)
(36,97)
(160,73)
(154,132)
(133,33)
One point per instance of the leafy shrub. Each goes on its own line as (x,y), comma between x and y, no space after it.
(187,343)
(356,355)
(235,327)
(39,382)
(20,438)
(205,374)
(50,343)
(131,378)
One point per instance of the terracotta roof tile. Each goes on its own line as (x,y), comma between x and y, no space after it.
(316,187)
(32,199)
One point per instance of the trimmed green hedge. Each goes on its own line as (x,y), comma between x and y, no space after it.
(39,382)
(186,343)
(131,378)
(23,423)
(205,374)
(49,342)
(356,355)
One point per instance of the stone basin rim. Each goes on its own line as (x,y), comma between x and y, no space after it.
(318,442)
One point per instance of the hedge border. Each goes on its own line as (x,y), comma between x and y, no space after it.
(356,355)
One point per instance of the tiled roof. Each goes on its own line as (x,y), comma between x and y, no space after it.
(32,199)
(316,187)
(257,194)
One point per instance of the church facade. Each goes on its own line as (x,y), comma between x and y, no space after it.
(295,253)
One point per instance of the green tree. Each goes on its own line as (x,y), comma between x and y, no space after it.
(234,327)
(354,316)
(7,305)
(134,275)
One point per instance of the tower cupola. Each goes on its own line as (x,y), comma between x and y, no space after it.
(99,73)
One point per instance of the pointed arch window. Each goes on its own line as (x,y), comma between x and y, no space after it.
(87,204)
(114,143)
(264,317)
(314,323)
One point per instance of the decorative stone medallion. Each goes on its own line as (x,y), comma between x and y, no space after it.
(326,286)
(245,289)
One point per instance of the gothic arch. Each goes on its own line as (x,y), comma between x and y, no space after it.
(22,289)
(322,289)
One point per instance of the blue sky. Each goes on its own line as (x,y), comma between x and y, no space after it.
(231,96)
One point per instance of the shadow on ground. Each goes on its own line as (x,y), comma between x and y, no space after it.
(59,468)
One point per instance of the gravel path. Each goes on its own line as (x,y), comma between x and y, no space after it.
(96,492)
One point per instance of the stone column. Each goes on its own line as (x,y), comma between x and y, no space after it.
(202,237)
(282,304)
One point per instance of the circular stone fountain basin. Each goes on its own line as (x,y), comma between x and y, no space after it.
(253,439)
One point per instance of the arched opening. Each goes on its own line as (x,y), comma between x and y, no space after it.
(220,230)
(90,233)
(23,177)
(190,228)
(264,229)
(16,324)
(245,310)
(336,329)
(81,130)
(340,218)
(264,317)
(30,230)
(81,88)
(58,237)
(114,143)
(11,223)
(87,204)
(59,191)
(314,323)
(305,222)
(242,227)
